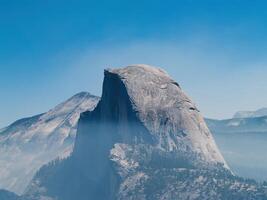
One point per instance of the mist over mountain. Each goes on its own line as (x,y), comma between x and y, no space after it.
(29,143)
(144,140)
(243,144)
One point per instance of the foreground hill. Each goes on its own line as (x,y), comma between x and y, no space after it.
(144,140)
(29,143)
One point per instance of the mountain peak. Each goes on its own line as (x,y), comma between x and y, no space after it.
(138,68)
(37,140)
(83,94)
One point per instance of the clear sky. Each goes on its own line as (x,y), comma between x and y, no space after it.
(50,50)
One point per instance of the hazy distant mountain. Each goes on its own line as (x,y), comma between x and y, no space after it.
(29,143)
(145,140)
(243,144)
(245,114)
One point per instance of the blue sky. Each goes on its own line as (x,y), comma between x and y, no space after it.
(50,50)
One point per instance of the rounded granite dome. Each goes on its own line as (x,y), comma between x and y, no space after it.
(166,111)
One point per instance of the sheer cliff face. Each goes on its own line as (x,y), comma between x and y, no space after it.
(143,105)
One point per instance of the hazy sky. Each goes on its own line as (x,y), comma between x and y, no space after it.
(50,50)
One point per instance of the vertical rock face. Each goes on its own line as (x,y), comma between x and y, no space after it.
(143,127)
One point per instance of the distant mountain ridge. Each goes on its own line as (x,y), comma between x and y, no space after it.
(248,114)
(247,124)
(31,142)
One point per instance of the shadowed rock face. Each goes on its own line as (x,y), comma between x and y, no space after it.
(113,121)
(143,123)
